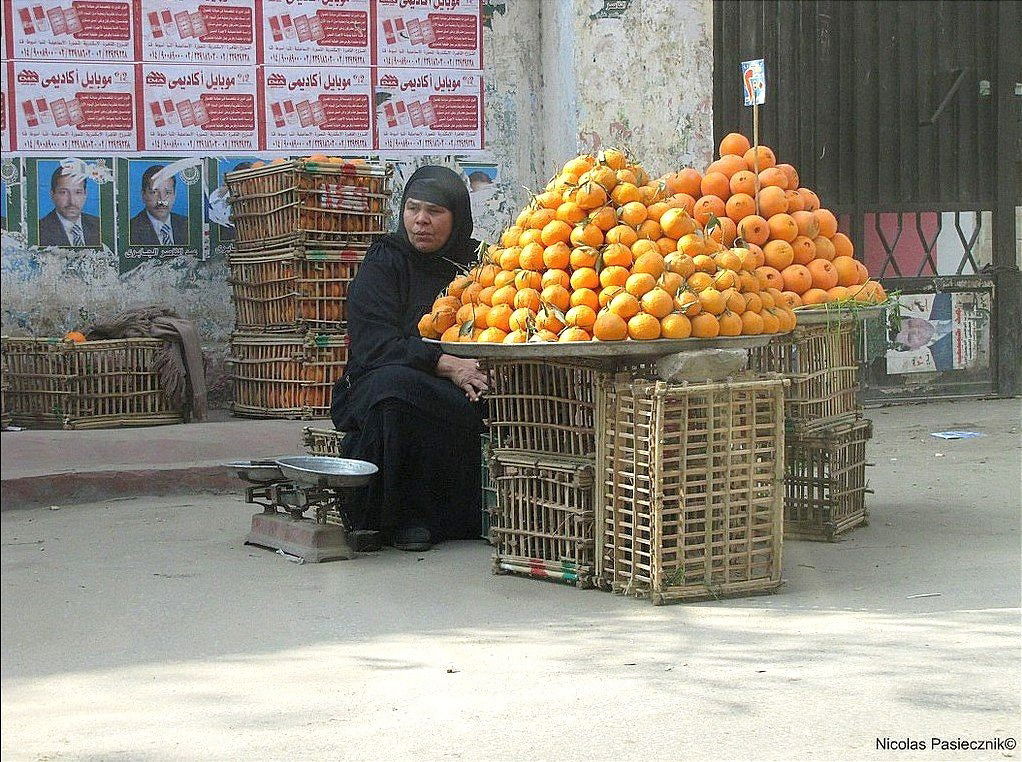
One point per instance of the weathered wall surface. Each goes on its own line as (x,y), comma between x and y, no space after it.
(561,76)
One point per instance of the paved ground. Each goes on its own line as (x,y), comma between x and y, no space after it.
(144,629)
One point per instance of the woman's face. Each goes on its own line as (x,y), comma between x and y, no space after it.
(428,225)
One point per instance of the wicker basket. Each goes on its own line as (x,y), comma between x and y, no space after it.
(822,362)
(95,384)
(825,481)
(293,289)
(318,201)
(543,523)
(285,376)
(690,488)
(543,406)
(489,489)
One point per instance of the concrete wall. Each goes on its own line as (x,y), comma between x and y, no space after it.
(561,75)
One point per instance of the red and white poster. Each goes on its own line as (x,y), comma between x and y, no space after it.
(316,33)
(199,32)
(322,110)
(428,110)
(71,30)
(429,34)
(73,108)
(199,109)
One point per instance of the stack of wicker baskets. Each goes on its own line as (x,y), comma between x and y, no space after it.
(302,229)
(825,441)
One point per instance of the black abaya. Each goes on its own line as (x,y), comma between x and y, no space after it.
(420,429)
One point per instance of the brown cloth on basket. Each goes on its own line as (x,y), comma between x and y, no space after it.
(179,364)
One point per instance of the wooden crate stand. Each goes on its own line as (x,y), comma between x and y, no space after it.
(317,200)
(822,362)
(543,523)
(53,383)
(285,376)
(293,289)
(690,504)
(825,481)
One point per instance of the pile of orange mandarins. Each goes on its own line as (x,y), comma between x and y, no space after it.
(605,253)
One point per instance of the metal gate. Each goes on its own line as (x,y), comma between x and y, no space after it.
(905,119)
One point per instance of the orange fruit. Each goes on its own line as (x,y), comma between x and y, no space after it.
(604,218)
(824,248)
(842,245)
(740,206)
(624,304)
(754,229)
(492,336)
(624,193)
(640,247)
(704,263)
(657,302)
(540,217)
(474,312)
(706,206)
(758,158)
(581,315)
(516,337)
(804,248)
(574,333)
(510,236)
(556,231)
(614,275)
(753,302)
(503,278)
(725,232)
(521,319)
(752,256)
(671,282)
(555,277)
(528,279)
(643,327)
(452,334)
(810,201)
(639,284)
(617,255)
(528,298)
(728,165)
(585,296)
(649,230)
(586,234)
(791,300)
(666,245)
(734,142)
(556,256)
(743,182)
(583,256)
(503,295)
(871,291)
(797,278)
(556,295)
(824,274)
(590,195)
(730,323)
(814,296)
(680,263)
(734,301)
(712,301)
(425,327)
(807,223)
(531,257)
(828,222)
(771,200)
(773,177)
(705,326)
(687,303)
(675,326)
(610,327)
(499,316)
(606,294)
(676,222)
(778,254)
(847,271)
(699,280)
(622,234)
(549,320)
(838,294)
(651,262)
(684,201)
(687,181)
(795,203)
(863,272)
(752,323)
(570,212)
(585,277)
(791,174)
(633,213)
(782,227)
(692,244)
(771,323)
(715,184)
(770,277)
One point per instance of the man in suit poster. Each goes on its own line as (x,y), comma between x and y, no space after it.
(157,224)
(67,223)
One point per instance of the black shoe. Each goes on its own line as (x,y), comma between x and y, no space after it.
(413,539)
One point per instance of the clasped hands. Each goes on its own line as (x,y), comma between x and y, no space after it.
(463,373)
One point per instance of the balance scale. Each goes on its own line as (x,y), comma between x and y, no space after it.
(288,487)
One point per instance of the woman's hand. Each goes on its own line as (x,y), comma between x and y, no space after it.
(464,374)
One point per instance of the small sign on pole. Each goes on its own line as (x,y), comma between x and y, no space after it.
(754,89)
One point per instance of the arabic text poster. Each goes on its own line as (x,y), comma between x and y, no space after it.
(429,33)
(423,110)
(194,32)
(68,107)
(316,33)
(199,109)
(71,30)
(320,110)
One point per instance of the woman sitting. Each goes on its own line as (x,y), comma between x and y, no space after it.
(411,409)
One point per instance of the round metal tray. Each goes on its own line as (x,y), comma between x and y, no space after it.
(821,315)
(256,471)
(322,471)
(606,350)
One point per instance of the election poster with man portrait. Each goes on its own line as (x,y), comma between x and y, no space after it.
(160,202)
(70,202)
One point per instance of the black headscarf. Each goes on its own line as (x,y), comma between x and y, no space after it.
(443,187)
